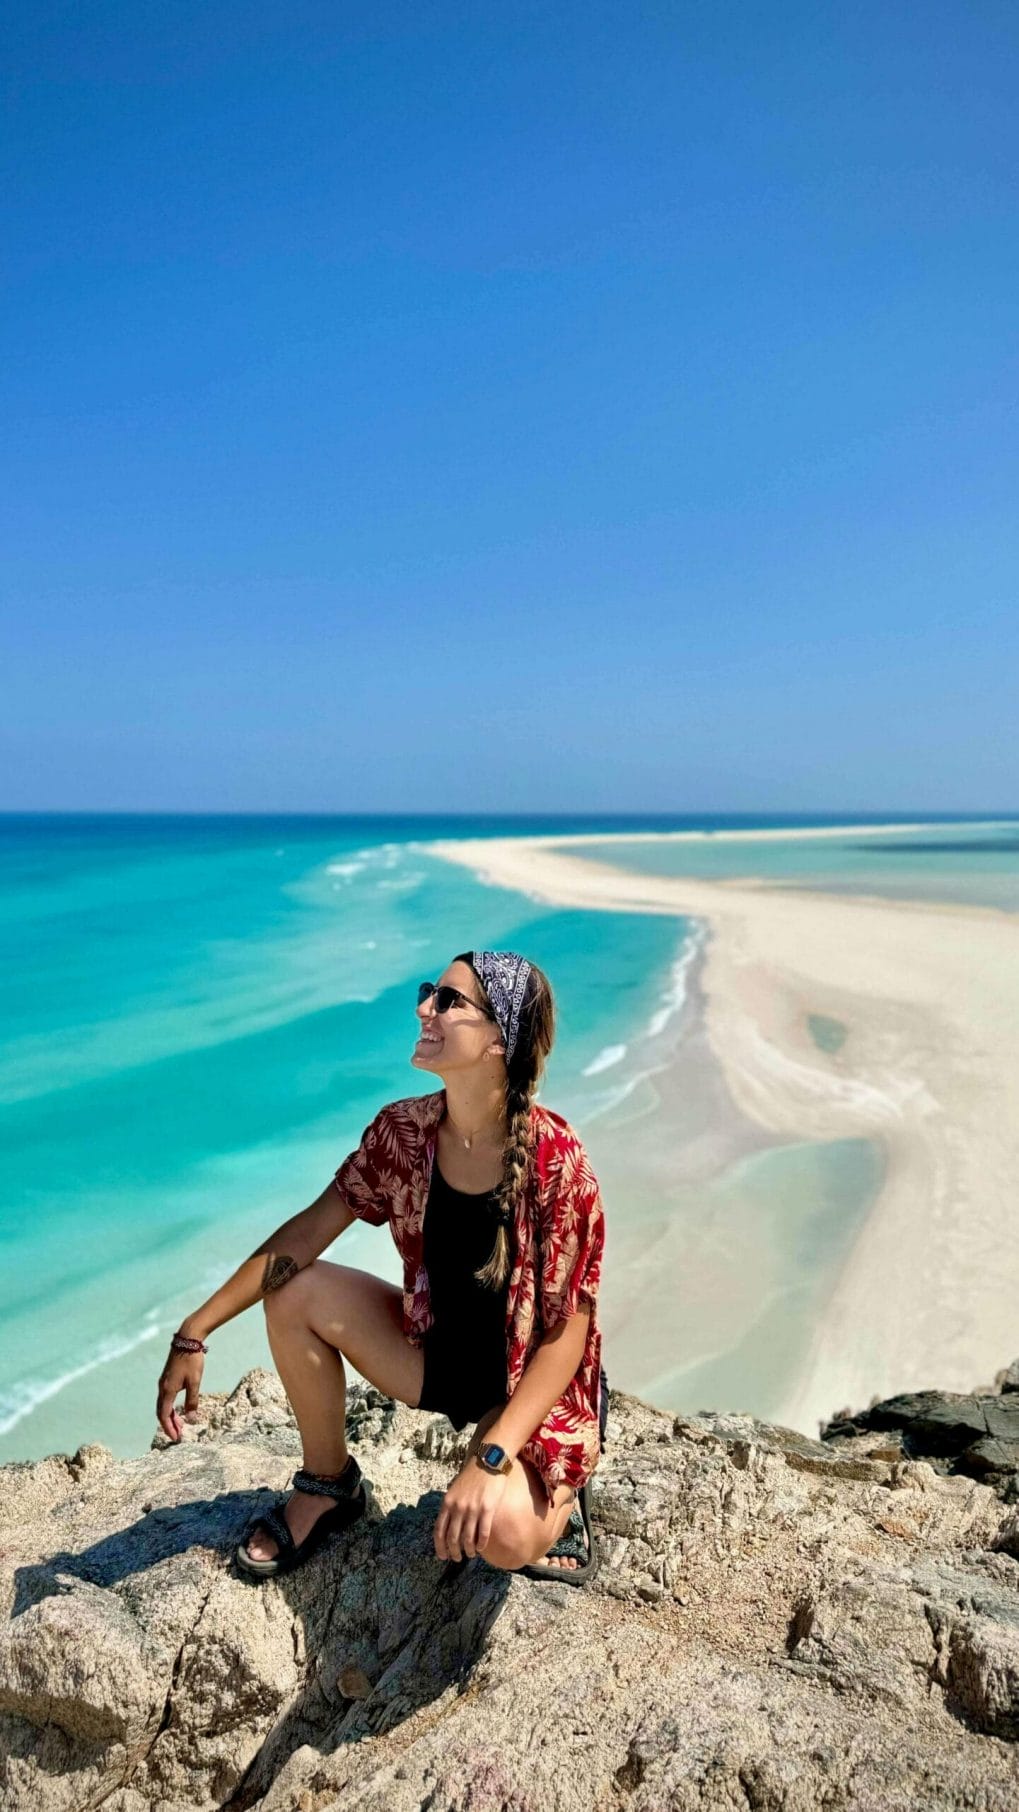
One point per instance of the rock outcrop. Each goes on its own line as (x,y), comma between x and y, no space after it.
(779,1623)
(975,1435)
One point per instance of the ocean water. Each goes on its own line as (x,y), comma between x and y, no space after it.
(958,861)
(763,1245)
(199,1015)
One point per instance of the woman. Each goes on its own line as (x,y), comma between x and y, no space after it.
(497,1320)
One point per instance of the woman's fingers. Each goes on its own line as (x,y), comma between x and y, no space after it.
(166,1415)
(447,1535)
(180,1375)
(464,1528)
(455,1538)
(463,1538)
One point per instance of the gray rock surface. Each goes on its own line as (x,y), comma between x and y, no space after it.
(975,1434)
(779,1624)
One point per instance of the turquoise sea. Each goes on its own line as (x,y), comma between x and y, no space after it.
(957,863)
(199,1016)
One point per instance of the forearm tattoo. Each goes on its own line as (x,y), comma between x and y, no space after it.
(278,1271)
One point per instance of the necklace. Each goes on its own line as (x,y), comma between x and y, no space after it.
(468,1141)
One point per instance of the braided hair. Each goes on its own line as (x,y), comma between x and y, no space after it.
(524,1071)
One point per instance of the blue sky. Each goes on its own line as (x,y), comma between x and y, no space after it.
(527,407)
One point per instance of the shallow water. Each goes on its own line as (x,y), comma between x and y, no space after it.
(963,864)
(763,1246)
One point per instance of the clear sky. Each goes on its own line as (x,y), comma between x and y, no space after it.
(526,406)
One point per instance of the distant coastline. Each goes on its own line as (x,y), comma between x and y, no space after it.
(777,834)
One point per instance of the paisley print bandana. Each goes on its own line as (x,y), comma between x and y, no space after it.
(504,977)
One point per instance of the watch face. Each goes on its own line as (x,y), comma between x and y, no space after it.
(493,1455)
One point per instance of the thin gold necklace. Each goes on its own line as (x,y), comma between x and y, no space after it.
(468,1142)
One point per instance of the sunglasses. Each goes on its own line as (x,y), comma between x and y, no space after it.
(445,996)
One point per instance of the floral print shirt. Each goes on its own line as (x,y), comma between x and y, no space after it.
(557,1241)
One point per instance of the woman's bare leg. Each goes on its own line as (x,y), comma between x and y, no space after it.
(331,1309)
(528,1524)
(324,1311)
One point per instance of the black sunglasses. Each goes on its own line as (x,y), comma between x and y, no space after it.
(445,996)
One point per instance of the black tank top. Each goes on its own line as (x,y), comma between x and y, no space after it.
(459,1235)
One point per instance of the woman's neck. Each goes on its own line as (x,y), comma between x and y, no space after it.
(476,1115)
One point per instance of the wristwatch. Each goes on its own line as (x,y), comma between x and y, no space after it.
(493,1458)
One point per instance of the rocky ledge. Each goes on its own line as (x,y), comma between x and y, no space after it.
(779,1623)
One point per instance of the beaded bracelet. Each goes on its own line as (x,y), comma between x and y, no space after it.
(183,1343)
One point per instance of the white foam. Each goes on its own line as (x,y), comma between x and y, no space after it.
(346,869)
(28,1393)
(613,1053)
(674,996)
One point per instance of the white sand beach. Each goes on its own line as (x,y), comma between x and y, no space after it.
(929,1068)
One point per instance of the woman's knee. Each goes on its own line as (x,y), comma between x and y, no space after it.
(290,1300)
(507,1560)
(510,1548)
(517,1540)
(512,1541)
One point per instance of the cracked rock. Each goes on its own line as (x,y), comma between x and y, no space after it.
(778,1623)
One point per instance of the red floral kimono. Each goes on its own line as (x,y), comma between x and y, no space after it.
(557,1240)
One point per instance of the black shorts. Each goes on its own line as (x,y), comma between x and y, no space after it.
(453,1387)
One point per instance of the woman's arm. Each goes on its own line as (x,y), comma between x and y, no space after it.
(288,1250)
(293,1245)
(544,1378)
(465,1521)
(572,1242)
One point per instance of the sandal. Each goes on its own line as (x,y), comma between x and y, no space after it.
(291,1554)
(572,1546)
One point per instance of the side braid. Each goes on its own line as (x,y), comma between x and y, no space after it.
(516,1163)
(524,1072)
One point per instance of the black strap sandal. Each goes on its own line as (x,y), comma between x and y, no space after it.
(572,1546)
(353,1504)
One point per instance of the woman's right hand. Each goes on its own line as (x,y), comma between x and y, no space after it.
(182,1372)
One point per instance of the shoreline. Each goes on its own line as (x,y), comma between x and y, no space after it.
(928,1069)
(552,840)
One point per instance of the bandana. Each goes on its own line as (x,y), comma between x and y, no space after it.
(504,977)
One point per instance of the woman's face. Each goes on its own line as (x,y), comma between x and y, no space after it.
(456,1040)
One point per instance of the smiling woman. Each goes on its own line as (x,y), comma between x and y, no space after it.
(497,1216)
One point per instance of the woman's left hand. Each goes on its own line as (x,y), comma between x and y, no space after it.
(464,1523)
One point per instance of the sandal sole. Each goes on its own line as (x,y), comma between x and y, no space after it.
(268,1569)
